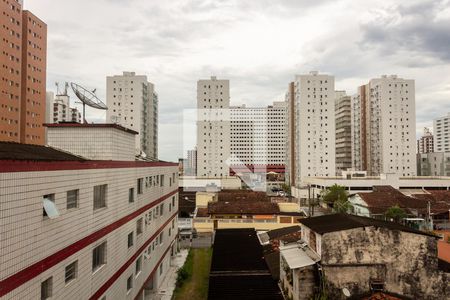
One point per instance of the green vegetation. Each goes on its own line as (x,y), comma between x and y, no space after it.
(286,188)
(337,197)
(192,283)
(396,213)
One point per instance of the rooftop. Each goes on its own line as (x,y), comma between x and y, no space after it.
(17,151)
(339,222)
(238,269)
(243,207)
(87,125)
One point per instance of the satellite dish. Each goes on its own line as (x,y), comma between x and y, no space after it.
(87,98)
(346,292)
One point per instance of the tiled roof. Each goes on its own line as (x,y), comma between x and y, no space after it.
(243,207)
(384,197)
(339,222)
(17,151)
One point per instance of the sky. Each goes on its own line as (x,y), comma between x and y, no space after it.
(259,45)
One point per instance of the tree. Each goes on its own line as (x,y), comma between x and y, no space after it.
(286,188)
(395,213)
(334,193)
(337,197)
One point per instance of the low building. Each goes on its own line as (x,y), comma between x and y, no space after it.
(351,256)
(78,228)
(245,213)
(376,203)
(359,182)
(433,164)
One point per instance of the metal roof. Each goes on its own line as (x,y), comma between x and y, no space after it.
(298,255)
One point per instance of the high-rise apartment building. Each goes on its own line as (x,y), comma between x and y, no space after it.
(425,143)
(59,109)
(22,88)
(258,137)
(190,167)
(213,128)
(343,132)
(383,127)
(441,127)
(133,103)
(311,103)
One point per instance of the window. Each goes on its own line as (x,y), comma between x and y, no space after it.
(131,195)
(100,196)
(98,256)
(162,180)
(161,209)
(129,283)
(173,201)
(50,210)
(72,199)
(161,238)
(138,265)
(46,288)
(130,239)
(71,272)
(139,226)
(140,186)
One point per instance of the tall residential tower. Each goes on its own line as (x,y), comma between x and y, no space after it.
(384,127)
(133,103)
(22,89)
(213,128)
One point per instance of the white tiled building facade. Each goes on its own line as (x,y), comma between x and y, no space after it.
(313,128)
(441,128)
(73,228)
(213,128)
(133,103)
(383,127)
(258,134)
(140,199)
(433,164)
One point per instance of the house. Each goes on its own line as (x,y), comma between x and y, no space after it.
(375,204)
(344,256)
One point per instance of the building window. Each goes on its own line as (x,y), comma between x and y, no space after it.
(138,265)
(71,272)
(46,288)
(100,196)
(162,180)
(98,256)
(50,210)
(140,186)
(161,209)
(139,226)
(130,239)
(129,284)
(72,199)
(173,201)
(161,238)
(131,195)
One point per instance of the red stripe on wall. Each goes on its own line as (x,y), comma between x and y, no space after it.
(11,166)
(122,269)
(14,281)
(154,269)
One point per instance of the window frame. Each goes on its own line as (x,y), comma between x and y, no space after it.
(69,203)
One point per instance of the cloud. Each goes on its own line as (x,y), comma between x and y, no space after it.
(258,45)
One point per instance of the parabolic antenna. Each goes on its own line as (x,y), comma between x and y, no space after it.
(87,98)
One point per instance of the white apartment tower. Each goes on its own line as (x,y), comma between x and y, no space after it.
(311,102)
(383,127)
(213,128)
(442,132)
(133,103)
(425,143)
(59,110)
(258,135)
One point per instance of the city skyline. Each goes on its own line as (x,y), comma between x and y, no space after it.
(171,44)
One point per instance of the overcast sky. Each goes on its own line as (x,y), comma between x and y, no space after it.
(259,45)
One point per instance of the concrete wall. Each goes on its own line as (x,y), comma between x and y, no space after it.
(406,262)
